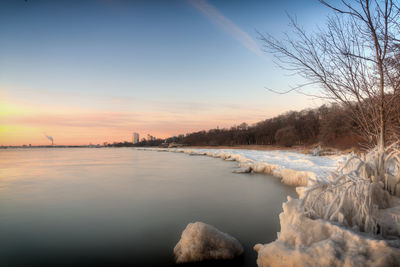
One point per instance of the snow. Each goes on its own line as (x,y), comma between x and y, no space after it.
(293,168)
(349,219)
(200,241)
(303,241)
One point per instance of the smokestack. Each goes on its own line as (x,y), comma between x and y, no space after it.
(50,138)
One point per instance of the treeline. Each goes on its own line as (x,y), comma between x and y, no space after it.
(330,125)
(143,143)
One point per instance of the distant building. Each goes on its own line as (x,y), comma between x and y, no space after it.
(135,138)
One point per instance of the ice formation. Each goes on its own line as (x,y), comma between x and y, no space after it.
(200,241)
(303,241)
(349,219)
(293,168)
(354,194)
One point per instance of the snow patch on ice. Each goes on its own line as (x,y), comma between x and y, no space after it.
(200,241)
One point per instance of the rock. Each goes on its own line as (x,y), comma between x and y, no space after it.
(200,241)
(316,151)
(243,170)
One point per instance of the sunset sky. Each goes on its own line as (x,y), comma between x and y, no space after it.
(96,71)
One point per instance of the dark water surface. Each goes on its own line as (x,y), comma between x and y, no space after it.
(124,207)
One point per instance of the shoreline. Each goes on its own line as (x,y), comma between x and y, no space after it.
(291,166)
(303,149)
(301,237)
(250,147)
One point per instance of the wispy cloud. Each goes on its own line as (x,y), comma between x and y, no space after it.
(226,25)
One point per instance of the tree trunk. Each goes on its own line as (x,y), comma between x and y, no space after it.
(382,124)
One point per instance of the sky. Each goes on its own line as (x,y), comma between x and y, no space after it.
(97,71)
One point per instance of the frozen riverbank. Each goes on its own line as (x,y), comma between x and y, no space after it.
(307,241)
(293,168)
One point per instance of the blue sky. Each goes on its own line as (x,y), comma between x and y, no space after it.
(166,67)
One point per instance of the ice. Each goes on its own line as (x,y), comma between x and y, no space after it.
(295,169)
(200,241)
(303,241)
(356,193)
(352,218)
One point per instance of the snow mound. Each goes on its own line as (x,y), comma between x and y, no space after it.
(294,169)
(303,241)
(200,241)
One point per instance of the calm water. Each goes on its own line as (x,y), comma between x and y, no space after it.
(124,207)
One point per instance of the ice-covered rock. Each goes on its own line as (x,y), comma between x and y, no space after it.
(316,151)
(306,242)
(246,169)
(200,241)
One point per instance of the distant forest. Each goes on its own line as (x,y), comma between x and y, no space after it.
(329,125)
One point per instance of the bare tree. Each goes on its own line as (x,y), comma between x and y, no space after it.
(352,61)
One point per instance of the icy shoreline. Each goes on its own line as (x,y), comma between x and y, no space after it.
(304,241)
(294,169)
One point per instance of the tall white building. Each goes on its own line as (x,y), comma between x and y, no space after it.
(135,138)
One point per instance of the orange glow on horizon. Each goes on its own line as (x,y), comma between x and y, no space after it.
(23,125)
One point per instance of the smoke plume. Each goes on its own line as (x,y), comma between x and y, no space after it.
(49,137)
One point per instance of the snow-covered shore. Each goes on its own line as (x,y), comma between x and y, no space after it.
(306,241)
(295,169)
